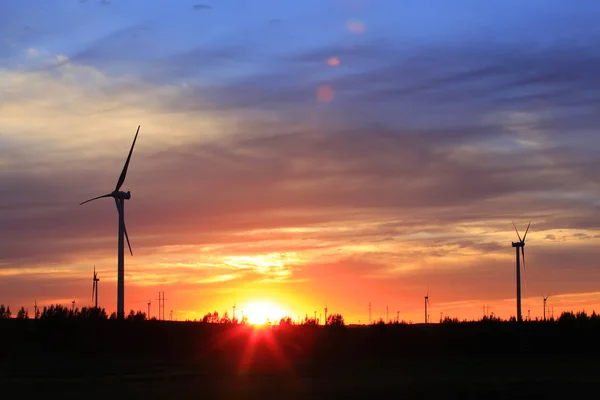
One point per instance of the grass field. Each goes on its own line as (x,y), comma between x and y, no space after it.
(490,377)
(311,363)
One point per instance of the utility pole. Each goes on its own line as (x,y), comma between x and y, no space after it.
(161,305)
(326,314)
(398,316)
(315,317)
(370,320)
(441,317)
(171,315)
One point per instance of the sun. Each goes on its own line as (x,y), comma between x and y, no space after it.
(260,311)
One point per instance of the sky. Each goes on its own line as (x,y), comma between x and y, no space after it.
(304,154)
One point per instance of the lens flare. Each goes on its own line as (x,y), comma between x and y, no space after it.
(325,93)
(356,26)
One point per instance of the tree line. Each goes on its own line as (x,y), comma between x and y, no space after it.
(60,312)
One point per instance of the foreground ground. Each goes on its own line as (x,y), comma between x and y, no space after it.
(296,363)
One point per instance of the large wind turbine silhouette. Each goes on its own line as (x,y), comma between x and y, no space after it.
(120,198)
(520,245)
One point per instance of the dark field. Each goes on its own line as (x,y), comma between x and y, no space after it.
(77,359)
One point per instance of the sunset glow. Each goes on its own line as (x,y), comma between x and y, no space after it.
(260,312)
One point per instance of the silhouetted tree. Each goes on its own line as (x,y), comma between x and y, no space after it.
(74,313)
(285,321)
(335,320)
(22,313)
(212,318)
(92,313)
(55,312)
(4,312)
(136,316)
(567,317)
(225,318)
(113,316)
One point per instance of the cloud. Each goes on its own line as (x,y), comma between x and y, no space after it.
(408,178)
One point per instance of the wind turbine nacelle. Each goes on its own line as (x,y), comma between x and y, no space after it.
(518,244)
(123,195)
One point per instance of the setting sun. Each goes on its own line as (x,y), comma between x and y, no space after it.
(259,312)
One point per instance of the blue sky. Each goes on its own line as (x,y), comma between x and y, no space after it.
(270,127)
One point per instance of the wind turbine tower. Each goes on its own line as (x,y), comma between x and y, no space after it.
(35,309)
(326,314)
(520,245)
(545,305)
(148,303)
(73,305)
(95,281)
(120,198)
(426,306)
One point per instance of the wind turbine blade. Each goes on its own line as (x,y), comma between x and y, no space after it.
(124,228)
(516,230)
(127,237)
(525,235)
(124,172)
(524,271)
(96,198)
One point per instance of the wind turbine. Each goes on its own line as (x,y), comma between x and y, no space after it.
(120,198)
(427,305)
(545,307)
(520,245)
(35,309)
(95,287)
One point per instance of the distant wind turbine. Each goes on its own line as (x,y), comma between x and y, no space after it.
(120,198)
(95,281)
(427,305)
(520,245)
(545,306)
